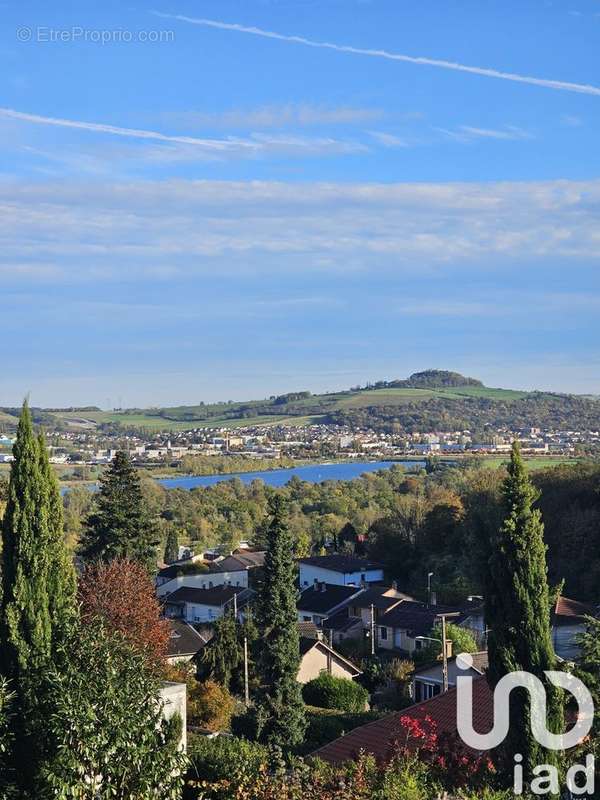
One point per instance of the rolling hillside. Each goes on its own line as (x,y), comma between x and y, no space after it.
(430,400)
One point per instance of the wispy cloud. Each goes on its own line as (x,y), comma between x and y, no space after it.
(255,144)
(571,121)
(547,83)
(300,115)
(388,139)
(469,133)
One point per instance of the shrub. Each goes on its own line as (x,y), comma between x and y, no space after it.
(210,706)
(327,691)
(325,725)
(222,757)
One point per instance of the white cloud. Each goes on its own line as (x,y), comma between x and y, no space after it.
(420,60)
(388,139)
(571,121)
(297,115)
(186,147)
(97,231)
(469,133)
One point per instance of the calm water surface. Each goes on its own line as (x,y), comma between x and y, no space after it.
(314,473)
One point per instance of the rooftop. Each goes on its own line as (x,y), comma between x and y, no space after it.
(184,640)
(217,596)
(341,563)
(324,597)
(378,738)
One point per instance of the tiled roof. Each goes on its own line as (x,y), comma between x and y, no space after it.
(413,617)
(217,596)
(480,663)
(184,640)
(322,601)
(309,630)
(377,738)
(340,563)
(341,622)
(376,597)
(567,611)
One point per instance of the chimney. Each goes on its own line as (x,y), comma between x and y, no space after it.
(395,585)
(433,599)
(316,584)
(363,583)
(323,587)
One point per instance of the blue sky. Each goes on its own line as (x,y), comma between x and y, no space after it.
(227,199)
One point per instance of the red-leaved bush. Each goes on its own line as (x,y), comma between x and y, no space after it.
(121,594)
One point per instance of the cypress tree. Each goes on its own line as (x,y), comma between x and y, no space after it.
(33,620)
(280,715)
(119,528)
(171,546)
(518,615)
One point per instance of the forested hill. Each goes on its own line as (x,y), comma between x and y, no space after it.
(430,400)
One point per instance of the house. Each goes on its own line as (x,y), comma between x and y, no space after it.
(341,627)
(380,598)
(204,605)
(401,627)
(322,600)
(184,642)
(428,679)
(338,569)
(316,657)
(229,571)
(568,622)
(378,738)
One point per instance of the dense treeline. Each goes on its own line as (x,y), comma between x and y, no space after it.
(412,522)
(477,414)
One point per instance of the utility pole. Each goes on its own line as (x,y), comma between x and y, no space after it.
(444,656)
(372,629)
(246,685)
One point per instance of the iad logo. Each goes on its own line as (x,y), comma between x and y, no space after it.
(546,780)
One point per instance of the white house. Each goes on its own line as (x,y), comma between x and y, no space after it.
(204,605)
(322,600)
(428,680)
(229,571)
(338,569)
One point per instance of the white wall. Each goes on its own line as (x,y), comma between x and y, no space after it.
(310,573)
(174,698)
(204,580)
(197,613)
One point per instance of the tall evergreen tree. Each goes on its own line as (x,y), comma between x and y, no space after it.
(171,546)
(518,615)
(280,715)
(119,527)
(33,619)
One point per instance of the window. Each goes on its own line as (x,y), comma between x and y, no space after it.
(383,633)
(425,691)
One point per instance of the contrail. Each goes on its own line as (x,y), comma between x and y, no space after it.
(210,144)
(565,86)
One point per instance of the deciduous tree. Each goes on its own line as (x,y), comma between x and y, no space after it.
(121,594)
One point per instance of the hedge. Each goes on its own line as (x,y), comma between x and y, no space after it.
(327,691)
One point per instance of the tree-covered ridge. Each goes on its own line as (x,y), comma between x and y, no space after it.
(430,400)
